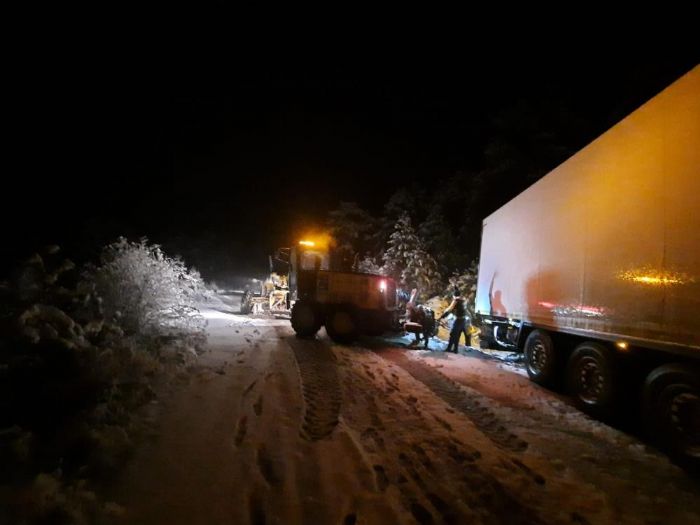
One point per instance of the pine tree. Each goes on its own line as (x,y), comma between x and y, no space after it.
(400,247)
(422,273)
(404,200)
(407,261)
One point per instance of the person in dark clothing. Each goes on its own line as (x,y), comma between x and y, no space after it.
(417,321)
(416,324)
(459,309)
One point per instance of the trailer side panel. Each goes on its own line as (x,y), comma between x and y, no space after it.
(609,241)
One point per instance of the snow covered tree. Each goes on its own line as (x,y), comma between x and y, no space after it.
(400,247)
(404,200)
(422,273)
(407,261)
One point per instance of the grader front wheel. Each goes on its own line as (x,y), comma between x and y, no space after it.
(305,319)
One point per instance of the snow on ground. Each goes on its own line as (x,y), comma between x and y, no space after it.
(436,344)
(242,320)
(269,428)
(563,439)
(228,307)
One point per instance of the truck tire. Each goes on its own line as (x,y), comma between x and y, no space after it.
(342,325)
(591,381)
(671,408)
(541,358)
(305,319)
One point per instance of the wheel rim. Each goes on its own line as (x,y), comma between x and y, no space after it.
(538,358)
(590,381)
(684,416)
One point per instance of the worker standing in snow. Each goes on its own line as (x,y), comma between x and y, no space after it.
(459,310)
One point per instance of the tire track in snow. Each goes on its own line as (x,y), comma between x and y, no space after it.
(459,398)
(320,387)
(432,474)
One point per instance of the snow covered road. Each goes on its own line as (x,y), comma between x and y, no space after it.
(269,428)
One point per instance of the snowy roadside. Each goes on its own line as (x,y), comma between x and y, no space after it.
(326,433)
(222,307)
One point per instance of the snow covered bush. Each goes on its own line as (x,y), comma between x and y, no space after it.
(145,292)
(369,265)
(78,353)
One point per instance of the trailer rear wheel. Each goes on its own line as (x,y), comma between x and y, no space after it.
(590,379)
(305,319)
(541,358)
(342,325)
(671,404)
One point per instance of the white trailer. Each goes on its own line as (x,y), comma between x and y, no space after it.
(594,271)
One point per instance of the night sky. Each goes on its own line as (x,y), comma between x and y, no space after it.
(227,173)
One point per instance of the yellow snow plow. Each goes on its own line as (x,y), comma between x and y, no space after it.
(347,303)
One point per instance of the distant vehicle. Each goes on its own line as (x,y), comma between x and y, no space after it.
(347,304)
(266,296)
(594,271)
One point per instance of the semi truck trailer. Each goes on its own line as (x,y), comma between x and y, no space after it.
(594,271)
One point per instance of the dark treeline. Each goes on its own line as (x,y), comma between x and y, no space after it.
(223,180)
